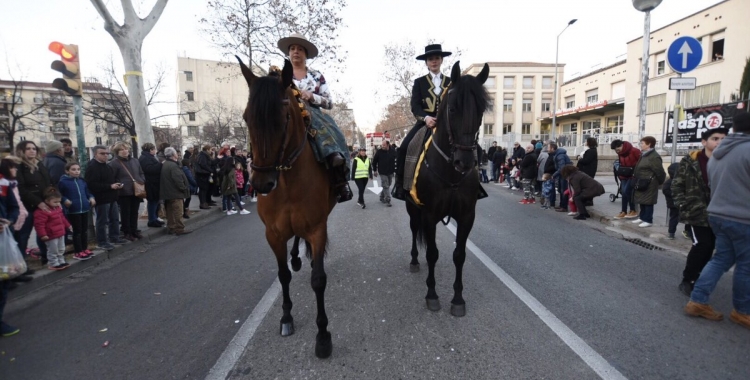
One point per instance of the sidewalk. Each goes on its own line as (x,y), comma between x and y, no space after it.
(44,276)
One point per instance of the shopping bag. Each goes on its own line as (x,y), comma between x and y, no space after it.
(12,264)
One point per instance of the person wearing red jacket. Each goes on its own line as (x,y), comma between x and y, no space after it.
(50,226)
(628,158)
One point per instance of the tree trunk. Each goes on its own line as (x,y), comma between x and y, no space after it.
(131,57)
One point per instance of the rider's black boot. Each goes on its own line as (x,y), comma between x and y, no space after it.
(398,191)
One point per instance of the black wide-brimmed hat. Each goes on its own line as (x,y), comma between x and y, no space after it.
(434,49)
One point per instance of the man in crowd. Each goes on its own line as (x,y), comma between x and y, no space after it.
(729,216)
(173,190)
(100,179)
(560,158)
(490,154)
(69,153)
(518,152)
(691,195)
(54,161)
(384,163)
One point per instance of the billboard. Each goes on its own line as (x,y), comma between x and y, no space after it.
(700,119)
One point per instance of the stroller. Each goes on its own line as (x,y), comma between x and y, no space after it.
(614,197)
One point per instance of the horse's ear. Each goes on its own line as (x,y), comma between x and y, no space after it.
(456,72)
(287,74)
(482,77)
(246,72)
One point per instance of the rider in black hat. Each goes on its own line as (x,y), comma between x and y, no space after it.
(426,95)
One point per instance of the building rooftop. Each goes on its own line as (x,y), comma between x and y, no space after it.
(595,72)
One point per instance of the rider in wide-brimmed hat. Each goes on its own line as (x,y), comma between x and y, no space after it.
(314,90)
(426,95)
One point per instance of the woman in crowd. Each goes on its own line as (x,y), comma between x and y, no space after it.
(127,172)
(151,167)
(649,174)
(590,159)
(585,189)
(33,178)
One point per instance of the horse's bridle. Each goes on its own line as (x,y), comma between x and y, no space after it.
(281,164)
(453,145)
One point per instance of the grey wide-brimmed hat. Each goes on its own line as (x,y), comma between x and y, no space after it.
(434,49)
(298,39)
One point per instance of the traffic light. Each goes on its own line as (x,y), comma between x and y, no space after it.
(69,67)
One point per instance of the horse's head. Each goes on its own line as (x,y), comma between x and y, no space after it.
(461,116)
(272,116)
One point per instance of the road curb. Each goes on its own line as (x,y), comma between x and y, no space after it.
(660,238)
(45,277)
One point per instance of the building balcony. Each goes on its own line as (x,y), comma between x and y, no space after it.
(58,116)
(61,130)
(4,115)
(57,100)
(38,100)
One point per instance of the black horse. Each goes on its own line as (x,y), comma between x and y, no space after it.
(448,182)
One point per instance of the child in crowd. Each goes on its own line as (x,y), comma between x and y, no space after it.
(191,184)
(240,178)
(50,225)
(674,212)
(572,208)
(229,189)
(78,202)
(548,187)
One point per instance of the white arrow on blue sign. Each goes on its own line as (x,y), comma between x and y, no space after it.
(684,54)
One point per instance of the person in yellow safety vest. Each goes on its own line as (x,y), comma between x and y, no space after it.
(361,171)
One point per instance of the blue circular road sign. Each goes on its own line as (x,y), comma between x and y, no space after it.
(684,54)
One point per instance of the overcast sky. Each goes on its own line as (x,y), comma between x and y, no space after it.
(486,30)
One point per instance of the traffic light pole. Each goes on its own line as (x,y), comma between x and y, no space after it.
(83,154)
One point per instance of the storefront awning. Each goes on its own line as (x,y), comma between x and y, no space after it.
(590,109)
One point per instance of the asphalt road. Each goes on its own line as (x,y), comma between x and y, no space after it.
(573,301)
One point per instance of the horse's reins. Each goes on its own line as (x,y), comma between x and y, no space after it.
(280,165)
(454,147)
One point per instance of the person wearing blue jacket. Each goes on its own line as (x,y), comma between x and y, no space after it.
(560,157)
(78,202)
(192,184)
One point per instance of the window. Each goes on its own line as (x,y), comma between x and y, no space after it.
(547,83)
(528,82)
(191,116)
(614,124)
(702,95)
(592,126)
(42,127)
(507,128)
(570,102)
(490,106)
(20,126)
(592,96)
(618,90)
(655,104)
(660,68)
(18,111)
(490,83)
(526,105)
(525,129)
(189,76)
(98,128)
(98,141)
(189,96)
(546,106)
(509,82)
(717,47)
(193,131)
(488,129)
(507,105)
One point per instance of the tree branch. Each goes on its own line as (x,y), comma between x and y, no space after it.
(110,25)
(150,20)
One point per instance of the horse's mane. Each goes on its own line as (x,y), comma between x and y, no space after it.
(265,103)
(466,90)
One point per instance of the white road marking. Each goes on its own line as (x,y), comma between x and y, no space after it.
(578,345)
(236,347)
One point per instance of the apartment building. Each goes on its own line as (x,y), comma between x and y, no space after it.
(722,30)
(521,101)
(212,96)
(44,113)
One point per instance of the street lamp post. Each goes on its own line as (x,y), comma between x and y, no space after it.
(645,6)
(554,99)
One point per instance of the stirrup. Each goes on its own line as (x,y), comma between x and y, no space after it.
(398,191)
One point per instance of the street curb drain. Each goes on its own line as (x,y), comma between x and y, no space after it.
(643,244)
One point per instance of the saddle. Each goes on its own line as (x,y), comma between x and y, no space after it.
(413,154)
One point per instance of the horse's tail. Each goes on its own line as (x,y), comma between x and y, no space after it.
(308,249)
(421,239)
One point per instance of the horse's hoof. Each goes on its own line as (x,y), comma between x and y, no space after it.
(413,268)
(296,264)
(287,329)
(433,305)
(323,345)
(458,310)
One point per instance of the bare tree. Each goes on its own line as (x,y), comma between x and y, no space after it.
(169,135)
(108,107)
(224,123)
(252,28)
(401,67)
(396,117)
(129,38)
(14,117)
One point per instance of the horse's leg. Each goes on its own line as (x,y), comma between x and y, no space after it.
(432,257)
(323,344)
(308,251)
(458,306)
(278,246)
(414,219)
(296,262)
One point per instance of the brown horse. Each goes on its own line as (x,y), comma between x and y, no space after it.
(284,171)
